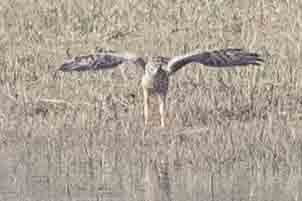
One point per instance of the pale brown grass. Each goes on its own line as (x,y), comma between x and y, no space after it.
(232,134)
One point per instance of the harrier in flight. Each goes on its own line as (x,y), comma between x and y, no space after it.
(158,69)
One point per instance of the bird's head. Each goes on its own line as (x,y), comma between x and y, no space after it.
(155,63)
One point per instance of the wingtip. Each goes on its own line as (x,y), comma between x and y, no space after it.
(63,68)
(68,67)
(259,58)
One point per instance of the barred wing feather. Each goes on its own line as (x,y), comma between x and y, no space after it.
(218,58)
(100,61)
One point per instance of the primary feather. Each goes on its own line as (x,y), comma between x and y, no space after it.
(218,58)
(100,60)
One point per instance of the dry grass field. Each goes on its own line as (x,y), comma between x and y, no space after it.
(232,134)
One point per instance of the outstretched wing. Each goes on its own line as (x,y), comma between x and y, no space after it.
(100,60)
(218,58)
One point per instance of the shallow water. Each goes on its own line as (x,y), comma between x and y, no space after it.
(29,172)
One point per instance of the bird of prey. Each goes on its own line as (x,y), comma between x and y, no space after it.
(158,69)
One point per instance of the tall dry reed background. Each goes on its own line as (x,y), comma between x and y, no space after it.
(233,134)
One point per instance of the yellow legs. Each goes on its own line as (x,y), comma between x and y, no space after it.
(146,106)
(162,107)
